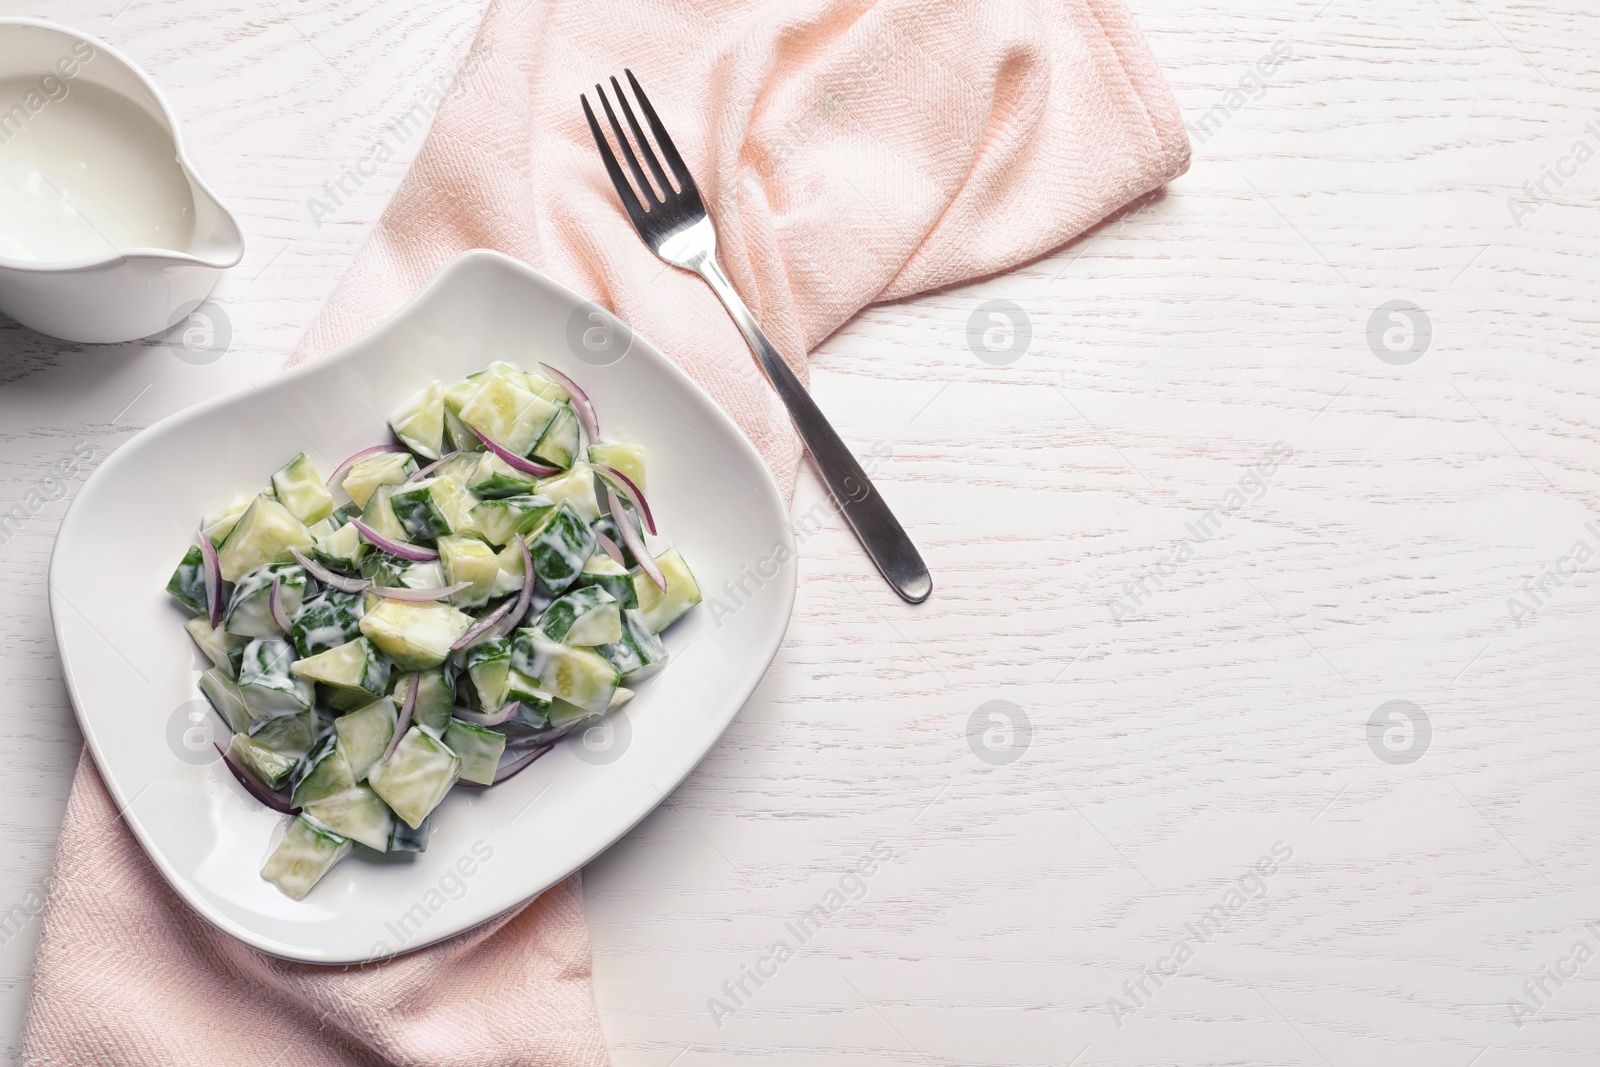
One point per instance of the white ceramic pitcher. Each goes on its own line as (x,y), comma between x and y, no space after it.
(120,293)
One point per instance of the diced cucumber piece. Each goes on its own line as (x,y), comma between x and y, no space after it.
(264,534)
(580,676)
(458,436)
(619,698)
(664,609)
(188,582)
(559,445)
(325,772)
(508,413)
(403,838)
(320,529)
(587,616)
(326,621)
(379,515)
(565,715)
(502,519)
(415,635)
(420,421)
(292,735)
(342,549)
(560,550)
(435,698)
(639,653)
(299,487)
(488,665)
(603,572)
(220,523)
(359,814)
(416,777)
(533,707)
(629,459)
(386,468)
(492,478)
(607,524)
(224,696)
(223,649)
(424,508)
(467,559)
(365,733)
(306,853)
(249,611)
(509,579)
(270,689)
(354,672)
(478,747)
(267,765)
(551,391)
(393,572)
(575,488)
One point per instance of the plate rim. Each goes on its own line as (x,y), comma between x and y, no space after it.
(788,591)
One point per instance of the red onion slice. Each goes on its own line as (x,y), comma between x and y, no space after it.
(631,491)
(483,626)
(275,605)
(404,722)
(329,577)
(580,403)
(526,596)
(255,788)
(430,468)
(635,543)
(343,468)
(418,596)
(489,718)
(212,569)
(393,547)
(514,461)
(610,548)
(515,767)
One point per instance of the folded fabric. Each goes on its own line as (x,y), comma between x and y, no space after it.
(850,152)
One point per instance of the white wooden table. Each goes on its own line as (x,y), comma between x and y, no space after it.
(1043,868)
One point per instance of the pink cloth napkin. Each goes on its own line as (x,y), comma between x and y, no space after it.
(851,152)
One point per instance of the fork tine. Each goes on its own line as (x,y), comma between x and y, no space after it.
(668,149)
(625,193)
(644,142)
(645,188)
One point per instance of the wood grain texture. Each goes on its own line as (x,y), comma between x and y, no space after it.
(1168,751)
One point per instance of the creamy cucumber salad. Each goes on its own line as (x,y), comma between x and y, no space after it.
(490,583)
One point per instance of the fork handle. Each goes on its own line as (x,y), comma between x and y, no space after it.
(875,526)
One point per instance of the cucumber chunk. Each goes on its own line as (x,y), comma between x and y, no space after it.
(342,549)
(219,689)
(587,616)
(365,733)
(217,525)
(502,519)
(307,852)
(575,488)
(629,459)
(532,716)
(416,777)
(492,478)
(223,649)
(435,698)
(607,524)
(560,550)
(359,814)
(299,487)
(579,676)
(664,609)
(264,534)
(559,444)
(478,747)
(354,673)
(420,421)
(488,665)
(249,610)
(386,468)
(292,735)
(424,508)
(325,772)
(188,582)
(508,412)
(415,636)
(565,715)
(639,653)
(606,573)
(467,559)
(267,765)
(544,387)
(379,515)
(269,688)
(327,621)
(403,838)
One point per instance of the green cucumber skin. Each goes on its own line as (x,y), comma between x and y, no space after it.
(640,653)
(561,549)
(419,514)
(565,612)
(403,838)
(327,621)
(325,773)
(269,688)
(607,525)
(249,611)
(559,444)
(188,582)
(477,747)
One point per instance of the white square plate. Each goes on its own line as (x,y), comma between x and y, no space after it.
(132,670)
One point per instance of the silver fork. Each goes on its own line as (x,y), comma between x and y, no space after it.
(675,226)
